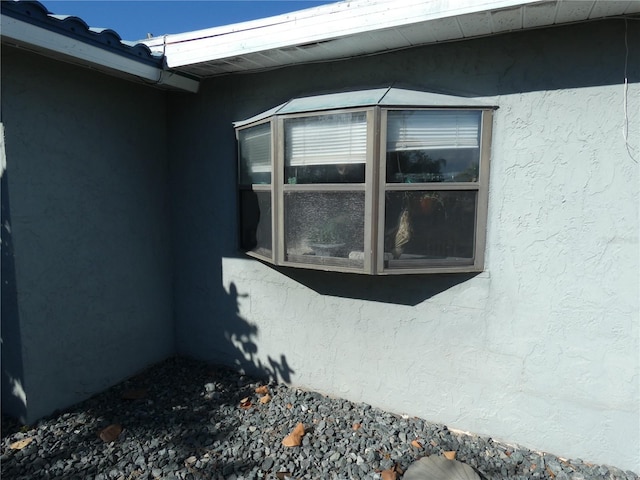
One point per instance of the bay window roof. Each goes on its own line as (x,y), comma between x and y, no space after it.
(386,97)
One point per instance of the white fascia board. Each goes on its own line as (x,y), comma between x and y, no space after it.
(318,24)
(40,39)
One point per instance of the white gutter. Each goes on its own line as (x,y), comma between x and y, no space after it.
(316,24)
(40,39)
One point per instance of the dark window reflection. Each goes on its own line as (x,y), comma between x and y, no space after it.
(430,225)
(339,173)
(255,235)
(442,165)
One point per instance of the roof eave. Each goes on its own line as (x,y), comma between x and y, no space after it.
(314,25)
(26,35)
(353,28)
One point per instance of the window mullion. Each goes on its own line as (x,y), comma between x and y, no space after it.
(431,186)
(483,190)
(381,189)
(278,201)
(371,182)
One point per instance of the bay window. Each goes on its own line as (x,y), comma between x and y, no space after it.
(382,188)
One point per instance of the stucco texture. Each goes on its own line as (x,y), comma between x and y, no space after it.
(542,348)
(87,297)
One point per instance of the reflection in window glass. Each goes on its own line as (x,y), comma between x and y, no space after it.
(429,226)
(326,148)
(322,227)
(433,146)
(255,211)
(255,154)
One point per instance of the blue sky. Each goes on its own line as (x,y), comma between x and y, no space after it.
(132,20)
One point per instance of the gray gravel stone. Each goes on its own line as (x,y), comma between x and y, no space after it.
(191,426)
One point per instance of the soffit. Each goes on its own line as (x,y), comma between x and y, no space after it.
(364,27)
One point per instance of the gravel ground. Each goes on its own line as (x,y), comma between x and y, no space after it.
(183,419)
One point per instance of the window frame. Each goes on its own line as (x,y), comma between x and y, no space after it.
(481,187)
(374,188)
(257,187)
(366,188)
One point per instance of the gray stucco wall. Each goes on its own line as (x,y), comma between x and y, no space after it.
(540,349)
(87,295)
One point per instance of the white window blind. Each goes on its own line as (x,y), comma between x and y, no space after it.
(255,147)
(424,130)
(326,140)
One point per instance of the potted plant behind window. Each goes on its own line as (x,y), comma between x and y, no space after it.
(328,239)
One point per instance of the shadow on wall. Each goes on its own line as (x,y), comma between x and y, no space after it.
(14,402)
(240,349)
(397,289)
(209,325)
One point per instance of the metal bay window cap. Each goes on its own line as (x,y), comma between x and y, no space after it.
(385,97)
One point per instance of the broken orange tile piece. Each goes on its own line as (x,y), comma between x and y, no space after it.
(110,433)
(262,390)
(389,474)
(265,399)
(20,444)
(294,439)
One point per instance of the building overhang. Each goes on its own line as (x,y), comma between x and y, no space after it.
(350,29)
(28,25)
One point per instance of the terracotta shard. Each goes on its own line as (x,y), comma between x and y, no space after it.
(110,433)
(449,454)
(265,399)
(262,390)
(416,444)
(299,430)
(389,474)
(294,439)
(20,444)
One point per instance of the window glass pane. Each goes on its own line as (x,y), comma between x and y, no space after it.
(326,148)
(255,154)
(325,228)
(433,146)
(429,227)
(255,211)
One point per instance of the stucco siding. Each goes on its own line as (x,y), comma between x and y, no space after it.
(86,182)
(542,347)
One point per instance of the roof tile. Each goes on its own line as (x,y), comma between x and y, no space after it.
(36,13)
